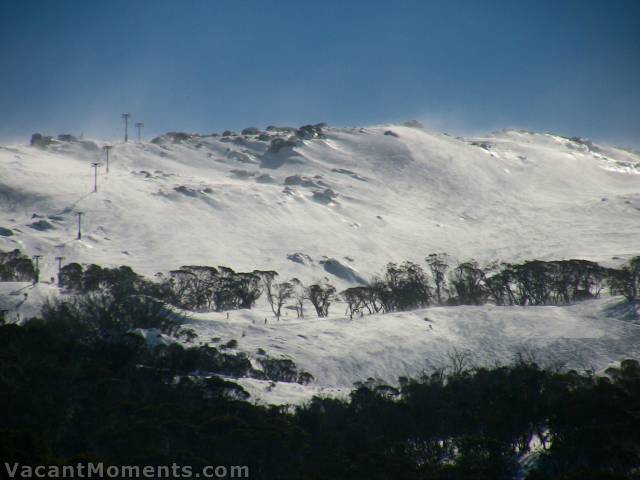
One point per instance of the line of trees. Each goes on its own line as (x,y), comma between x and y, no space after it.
(401,287)
(197,287)
(408,286)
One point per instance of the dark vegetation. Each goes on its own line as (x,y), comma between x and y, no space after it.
(409,286)
(80,385)
(16,267)
(401,287)
(44,142)
(77,387)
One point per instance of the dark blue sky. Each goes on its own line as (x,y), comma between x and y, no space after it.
(571,67)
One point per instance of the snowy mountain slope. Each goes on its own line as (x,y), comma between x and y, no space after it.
(358,196)
(339,351)
(341,206)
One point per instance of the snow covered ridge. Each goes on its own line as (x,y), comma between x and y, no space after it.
(319,201)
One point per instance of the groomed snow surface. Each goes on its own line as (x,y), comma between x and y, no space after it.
(342,207)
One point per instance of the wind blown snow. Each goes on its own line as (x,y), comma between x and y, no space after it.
(341,207)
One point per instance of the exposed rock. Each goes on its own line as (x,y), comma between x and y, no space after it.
(273,128)
(340,270)
(280,151)
(144,173)
(5,232)
(229,133)
(242,174)
(391,133)
(239,157)
(413,124)
(66,137)
(41,225)
(326,196)
(190,192)
(265,178)
(582,141)
(309,132)
(484,145)
(251,131)
(300,180)
(299,257)
(278,144)
(174,137)
(179,136)
(344,171)
(41,141)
